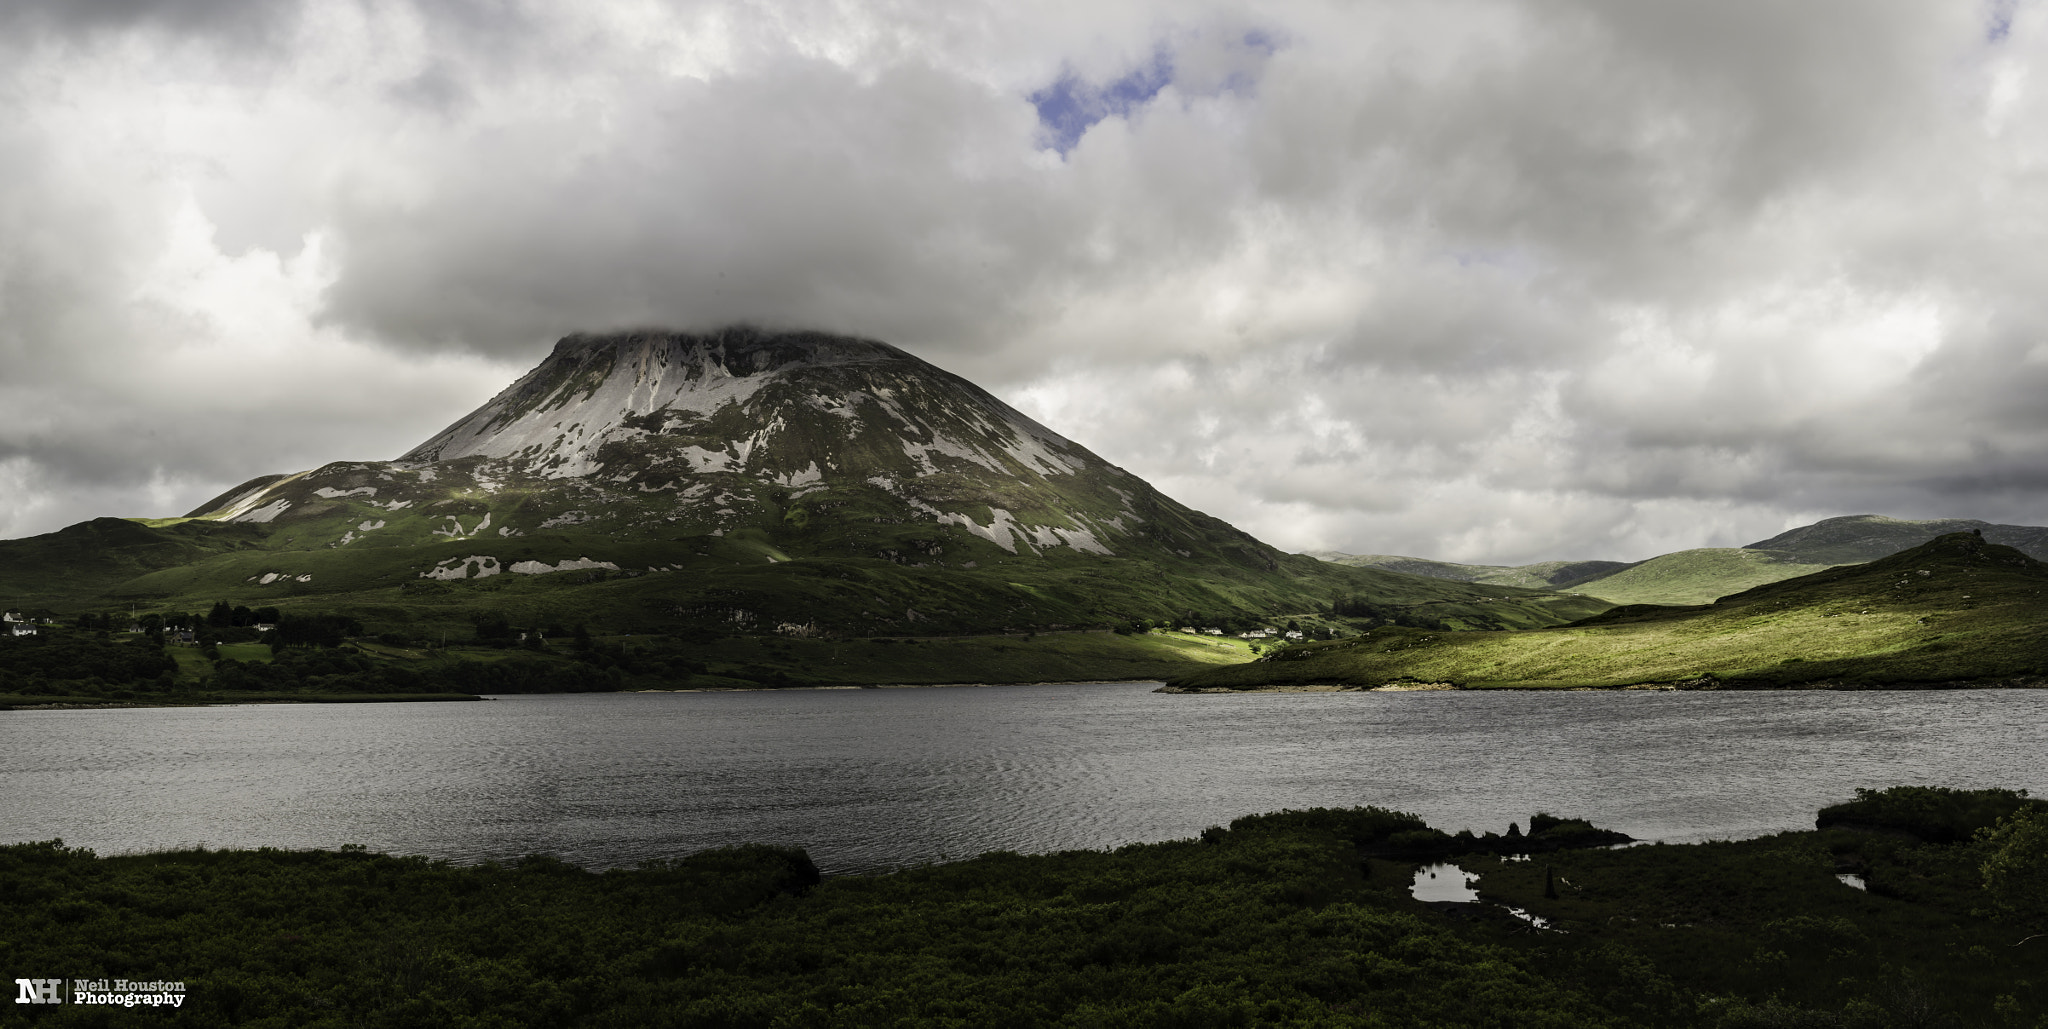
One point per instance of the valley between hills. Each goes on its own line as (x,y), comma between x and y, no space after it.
(749,509)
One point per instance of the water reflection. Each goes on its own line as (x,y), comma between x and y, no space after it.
(1444,883)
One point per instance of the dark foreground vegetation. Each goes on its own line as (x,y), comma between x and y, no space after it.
(1296,918)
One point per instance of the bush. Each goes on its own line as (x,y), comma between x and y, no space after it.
(1936,814)
(2016,872)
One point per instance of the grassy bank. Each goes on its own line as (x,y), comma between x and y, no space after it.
(1297,918)
(1043,657)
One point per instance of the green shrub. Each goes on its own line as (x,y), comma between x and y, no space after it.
(1936,814)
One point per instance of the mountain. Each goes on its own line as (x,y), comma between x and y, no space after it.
(1955,610)
(735,481)
(688,434)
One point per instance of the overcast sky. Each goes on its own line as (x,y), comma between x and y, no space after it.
(1480,280)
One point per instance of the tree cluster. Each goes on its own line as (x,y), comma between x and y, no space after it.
(59,662)
(1383,614)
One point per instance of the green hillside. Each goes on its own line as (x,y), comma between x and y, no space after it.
(1696,576)
(776,575)
(1957,609)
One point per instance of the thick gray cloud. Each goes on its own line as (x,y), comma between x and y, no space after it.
(1478,279)
(234,21)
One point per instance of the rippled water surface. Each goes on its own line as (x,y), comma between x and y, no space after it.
(868,779)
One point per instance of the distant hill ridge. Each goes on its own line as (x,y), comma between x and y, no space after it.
(1541,575)
(1699,576)
(1854,539)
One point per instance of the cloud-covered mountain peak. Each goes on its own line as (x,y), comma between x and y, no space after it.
(781,404)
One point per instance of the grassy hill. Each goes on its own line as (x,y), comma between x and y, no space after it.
(1956,609)
(1696,576)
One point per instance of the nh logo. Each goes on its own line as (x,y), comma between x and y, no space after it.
(38,991)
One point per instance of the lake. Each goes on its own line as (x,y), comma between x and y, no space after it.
(872,779)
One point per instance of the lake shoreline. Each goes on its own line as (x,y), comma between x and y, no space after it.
(59,703)
(1696,686)
(62,703)
(896,686)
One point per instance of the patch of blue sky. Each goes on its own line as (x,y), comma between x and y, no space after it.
(1258,45)
(1998,23)
(1504,265)
(1070,106)
(1196,64)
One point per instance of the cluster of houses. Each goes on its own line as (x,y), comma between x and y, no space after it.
(1254,634)
(12,623)
(173,634)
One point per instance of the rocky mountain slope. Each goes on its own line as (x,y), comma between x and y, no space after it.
(708,434)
